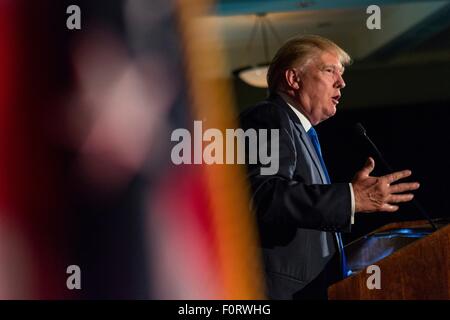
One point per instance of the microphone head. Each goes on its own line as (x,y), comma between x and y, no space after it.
(360,129)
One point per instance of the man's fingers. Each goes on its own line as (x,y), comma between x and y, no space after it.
(389,207)
(391,178)
(395,198)
(368,166)
(402,187)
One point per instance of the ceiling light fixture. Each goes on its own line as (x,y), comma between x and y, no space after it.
(255,74)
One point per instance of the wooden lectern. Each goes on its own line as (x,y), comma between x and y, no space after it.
(414,264)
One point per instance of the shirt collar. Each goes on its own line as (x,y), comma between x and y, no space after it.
(306,124)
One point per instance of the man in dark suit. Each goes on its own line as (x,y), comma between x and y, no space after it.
(300,213)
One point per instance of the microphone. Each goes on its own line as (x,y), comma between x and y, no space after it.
(361,131)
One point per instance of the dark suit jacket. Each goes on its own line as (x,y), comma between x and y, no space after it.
(297,212)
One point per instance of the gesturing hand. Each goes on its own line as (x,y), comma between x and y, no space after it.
(377,193)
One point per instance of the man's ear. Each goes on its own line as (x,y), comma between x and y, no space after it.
(292,80)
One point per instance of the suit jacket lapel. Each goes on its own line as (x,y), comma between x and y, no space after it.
(312,151)
(303,136)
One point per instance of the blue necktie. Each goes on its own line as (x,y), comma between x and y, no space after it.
(315,141)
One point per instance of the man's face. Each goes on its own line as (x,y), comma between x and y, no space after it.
(320,87)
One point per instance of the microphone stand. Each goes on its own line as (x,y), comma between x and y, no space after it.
(362,131)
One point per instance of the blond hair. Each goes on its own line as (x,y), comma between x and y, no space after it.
(298,51)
